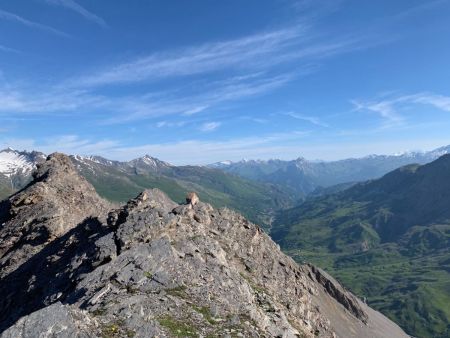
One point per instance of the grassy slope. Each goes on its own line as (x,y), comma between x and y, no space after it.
(387,240)
(412,291)
(256,201)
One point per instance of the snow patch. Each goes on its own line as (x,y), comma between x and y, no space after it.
(12,162)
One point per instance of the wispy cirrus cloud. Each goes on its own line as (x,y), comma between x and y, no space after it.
(385,109)
(213,95)
(74,6)
(438,101)
(391,109)
(8,16)
(26,102)
(193,60)
(170,124)
(260,51)
(122,109)
(210,126)
(311,119)
(195,110)
(245,67)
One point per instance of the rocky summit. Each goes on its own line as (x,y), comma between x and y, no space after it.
(72,265)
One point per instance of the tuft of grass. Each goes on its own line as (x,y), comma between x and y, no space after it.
(179,291)
(130,333)
(177,328)
(256,288)
(99,312)
(110,331)
(206,313)
(116,329)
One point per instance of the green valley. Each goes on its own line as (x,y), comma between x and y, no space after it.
(118,183)
(387,240)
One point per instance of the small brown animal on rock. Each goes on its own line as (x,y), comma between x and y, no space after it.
(192,198)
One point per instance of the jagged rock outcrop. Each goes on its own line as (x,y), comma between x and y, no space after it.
(55,202)
(157,269)
(59,320)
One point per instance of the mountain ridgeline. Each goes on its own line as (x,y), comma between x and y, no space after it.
(386,239)
(119,181)
(73,265)
(303,177)
(256,188)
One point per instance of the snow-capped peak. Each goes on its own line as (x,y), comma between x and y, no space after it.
(440,152)
(147,159)
(94,159)
(13,162)
(154,162)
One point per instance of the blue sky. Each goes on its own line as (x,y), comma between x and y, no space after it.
(201,81)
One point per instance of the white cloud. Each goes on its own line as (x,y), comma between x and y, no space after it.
(215,94)
(244,52)
(249,64)
(311,119)
(260,51)
(195,110)
(18,19)
(26,102)
(391,109)
(170,124)
(209,126)
(72,5)
(255,119)
(438,101)
(385,109)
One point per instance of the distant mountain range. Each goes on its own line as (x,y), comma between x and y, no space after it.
(302,177)
(120,181)
(256,188)
(386,239)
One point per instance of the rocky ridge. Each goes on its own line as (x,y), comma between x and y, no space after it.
(153,268)
(55,202)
